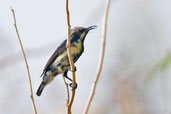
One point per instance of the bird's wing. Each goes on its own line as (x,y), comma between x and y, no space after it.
(57,52)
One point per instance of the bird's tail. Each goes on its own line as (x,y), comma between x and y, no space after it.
(40,89)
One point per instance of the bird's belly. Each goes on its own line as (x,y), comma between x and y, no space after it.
(61,64)
(63,67)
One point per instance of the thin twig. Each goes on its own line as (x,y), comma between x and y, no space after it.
(67,88)
(100,60)
(70,60)
(25,60)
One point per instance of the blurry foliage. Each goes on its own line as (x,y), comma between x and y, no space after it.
(161,66)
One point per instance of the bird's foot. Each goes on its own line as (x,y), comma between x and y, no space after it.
(73,86)
(75,69)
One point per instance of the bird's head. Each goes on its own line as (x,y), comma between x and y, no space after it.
(81,32)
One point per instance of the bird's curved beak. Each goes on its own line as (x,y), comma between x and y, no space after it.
(92,27)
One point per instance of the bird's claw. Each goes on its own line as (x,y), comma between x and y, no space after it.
(73,86)
(75,69)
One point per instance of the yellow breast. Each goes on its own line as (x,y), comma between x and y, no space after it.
(76,47)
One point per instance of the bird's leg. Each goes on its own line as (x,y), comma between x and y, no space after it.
(71,85)
(66,76)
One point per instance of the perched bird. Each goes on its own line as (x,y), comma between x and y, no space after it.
(58,62)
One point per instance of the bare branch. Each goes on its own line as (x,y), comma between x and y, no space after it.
(70,60)
(25,60)
(67,89)
(100,60)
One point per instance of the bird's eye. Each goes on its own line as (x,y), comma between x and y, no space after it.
(81,31)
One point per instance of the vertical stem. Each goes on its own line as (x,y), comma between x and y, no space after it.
(100,60)
(70,59)
(25,60)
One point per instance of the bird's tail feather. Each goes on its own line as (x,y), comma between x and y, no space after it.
(40,89)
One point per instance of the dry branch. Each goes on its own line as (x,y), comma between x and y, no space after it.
(67,89)
(25,60)
(100,60)
(70,60)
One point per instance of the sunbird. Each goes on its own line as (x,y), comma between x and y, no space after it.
(58,62)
